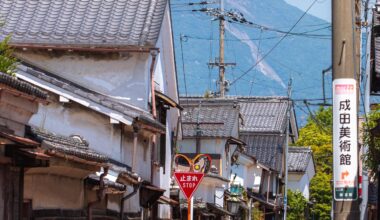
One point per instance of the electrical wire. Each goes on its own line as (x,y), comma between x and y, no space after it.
(183,64)
(257,58)
(274,47)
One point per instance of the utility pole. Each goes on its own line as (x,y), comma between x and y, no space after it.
(346,72)
(221,15)
(221,51)
(287,148)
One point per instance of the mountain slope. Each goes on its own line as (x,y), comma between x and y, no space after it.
(301,57)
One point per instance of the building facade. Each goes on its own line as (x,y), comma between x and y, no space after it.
(108,67)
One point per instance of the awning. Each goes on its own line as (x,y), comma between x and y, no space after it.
(149,195)
(34,154)
(261,200)
(216,176)
(218,210)
(27,157)
(25,142)
(167,100)
(233,140)
(169,201)
(207,214)
(149,124)
(111,186)
(127,177)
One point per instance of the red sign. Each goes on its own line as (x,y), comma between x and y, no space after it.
(188,182)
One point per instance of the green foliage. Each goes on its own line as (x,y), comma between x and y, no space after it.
(372,158)
(7,61)
(297,204)
(318,134)
(320,190)
(257,214)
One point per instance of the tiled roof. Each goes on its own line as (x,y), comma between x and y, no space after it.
(93,96)
(266,148)
(266,114)
(216,117)
(106,23)
(73,146)
(21,86)
(95,180)
(299,158)
(376,46)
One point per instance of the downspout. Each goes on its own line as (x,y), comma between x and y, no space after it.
(100,194)
(135,136)
(154,111)
(135,190)
(268,185)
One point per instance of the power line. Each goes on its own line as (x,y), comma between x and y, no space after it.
(278,43)
(183,65)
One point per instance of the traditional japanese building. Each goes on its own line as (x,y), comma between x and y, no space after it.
(112,117)
(211,126)
(301,169)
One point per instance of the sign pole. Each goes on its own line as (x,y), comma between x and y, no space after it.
(346,71)
(189,209)
(189,181)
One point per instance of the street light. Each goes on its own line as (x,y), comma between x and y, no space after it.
(233,206)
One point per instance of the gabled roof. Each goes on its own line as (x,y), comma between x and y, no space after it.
(299,158)
(216,117)
(263,114)
(21,86)
(73,146)
(266,148)
(95,23)
(123,112)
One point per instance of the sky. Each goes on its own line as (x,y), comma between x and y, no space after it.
(321,9)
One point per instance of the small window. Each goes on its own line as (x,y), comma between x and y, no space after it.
(161,139)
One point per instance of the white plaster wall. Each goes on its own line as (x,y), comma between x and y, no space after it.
(102,136)
(43,190)
(272,184)
(255,179)
(241,175)
(210,146)
(301,181)
(247,176)
(301,185)
(68,119)
(124,76)
(165,78)
(205,193)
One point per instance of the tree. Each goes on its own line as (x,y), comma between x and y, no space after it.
(317,133)
(297,204)
(372,158)
(7,61)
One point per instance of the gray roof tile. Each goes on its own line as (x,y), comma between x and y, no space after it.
(67,145)
(113,23)
(21,86)
(217,117)
(265,114)
(299,158)
(266,148)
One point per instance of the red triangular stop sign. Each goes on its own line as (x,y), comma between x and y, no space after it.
(188,182)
